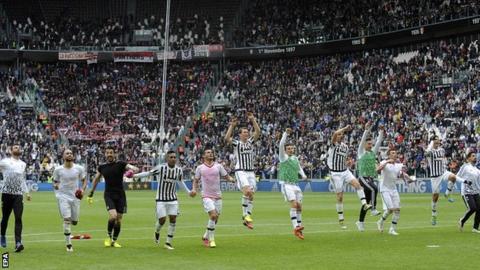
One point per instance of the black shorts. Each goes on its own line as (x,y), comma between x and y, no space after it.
(116,200)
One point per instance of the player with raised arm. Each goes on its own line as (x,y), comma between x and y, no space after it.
(244,167)
(337,163)
(437,171)
(367,171)
(392,171)
(288,173)
(65,183)
(114,194)
(13,189)
(168,175)
(209,174)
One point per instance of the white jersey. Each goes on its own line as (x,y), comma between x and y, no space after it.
(14,176)
(390,174)
(470,173)
(68,179)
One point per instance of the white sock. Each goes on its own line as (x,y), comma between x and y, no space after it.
(211,230)
(158,227)
(250,207)
(293,217)
(67,232)
(171,232)
(395,218)
(245,202)
(299,218)
(434,209)
(361,196)
(450,185)
(385,215)
(340,211)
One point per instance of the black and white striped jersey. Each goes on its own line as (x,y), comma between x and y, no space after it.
(244,155)
(437,163)
(167,178)
(337,157)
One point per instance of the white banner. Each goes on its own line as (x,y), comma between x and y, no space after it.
(170,55)
(137,57)
(201,50)
(66,56)
(137,49)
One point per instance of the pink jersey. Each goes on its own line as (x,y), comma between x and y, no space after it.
(210,177)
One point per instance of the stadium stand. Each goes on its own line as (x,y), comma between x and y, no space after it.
(281,22)
(317,95)
(89,105)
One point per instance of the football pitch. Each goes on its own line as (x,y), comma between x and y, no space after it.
(271,245)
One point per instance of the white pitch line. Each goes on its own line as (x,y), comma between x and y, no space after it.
(230,235)
(188,226)
(203,226)
(193,226)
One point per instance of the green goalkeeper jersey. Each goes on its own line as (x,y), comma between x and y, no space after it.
(289,170)
(367,165)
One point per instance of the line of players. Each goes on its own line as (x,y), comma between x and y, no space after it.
(392,170)
(67,176)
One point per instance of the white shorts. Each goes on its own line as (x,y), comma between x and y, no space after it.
(437,181)
(245,178)
(210,204)
(292,192)
(69,208)
(391,199)
(340,178)
(167,209)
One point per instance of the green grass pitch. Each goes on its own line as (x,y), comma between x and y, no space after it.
(271,245)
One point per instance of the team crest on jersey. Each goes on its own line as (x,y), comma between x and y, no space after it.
(246,148)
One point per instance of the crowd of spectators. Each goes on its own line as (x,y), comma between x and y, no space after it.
(22,127)
(117,103)
(264,22)
(66,32)
(316,96)
(436,90)
(280,22)
(184,33)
